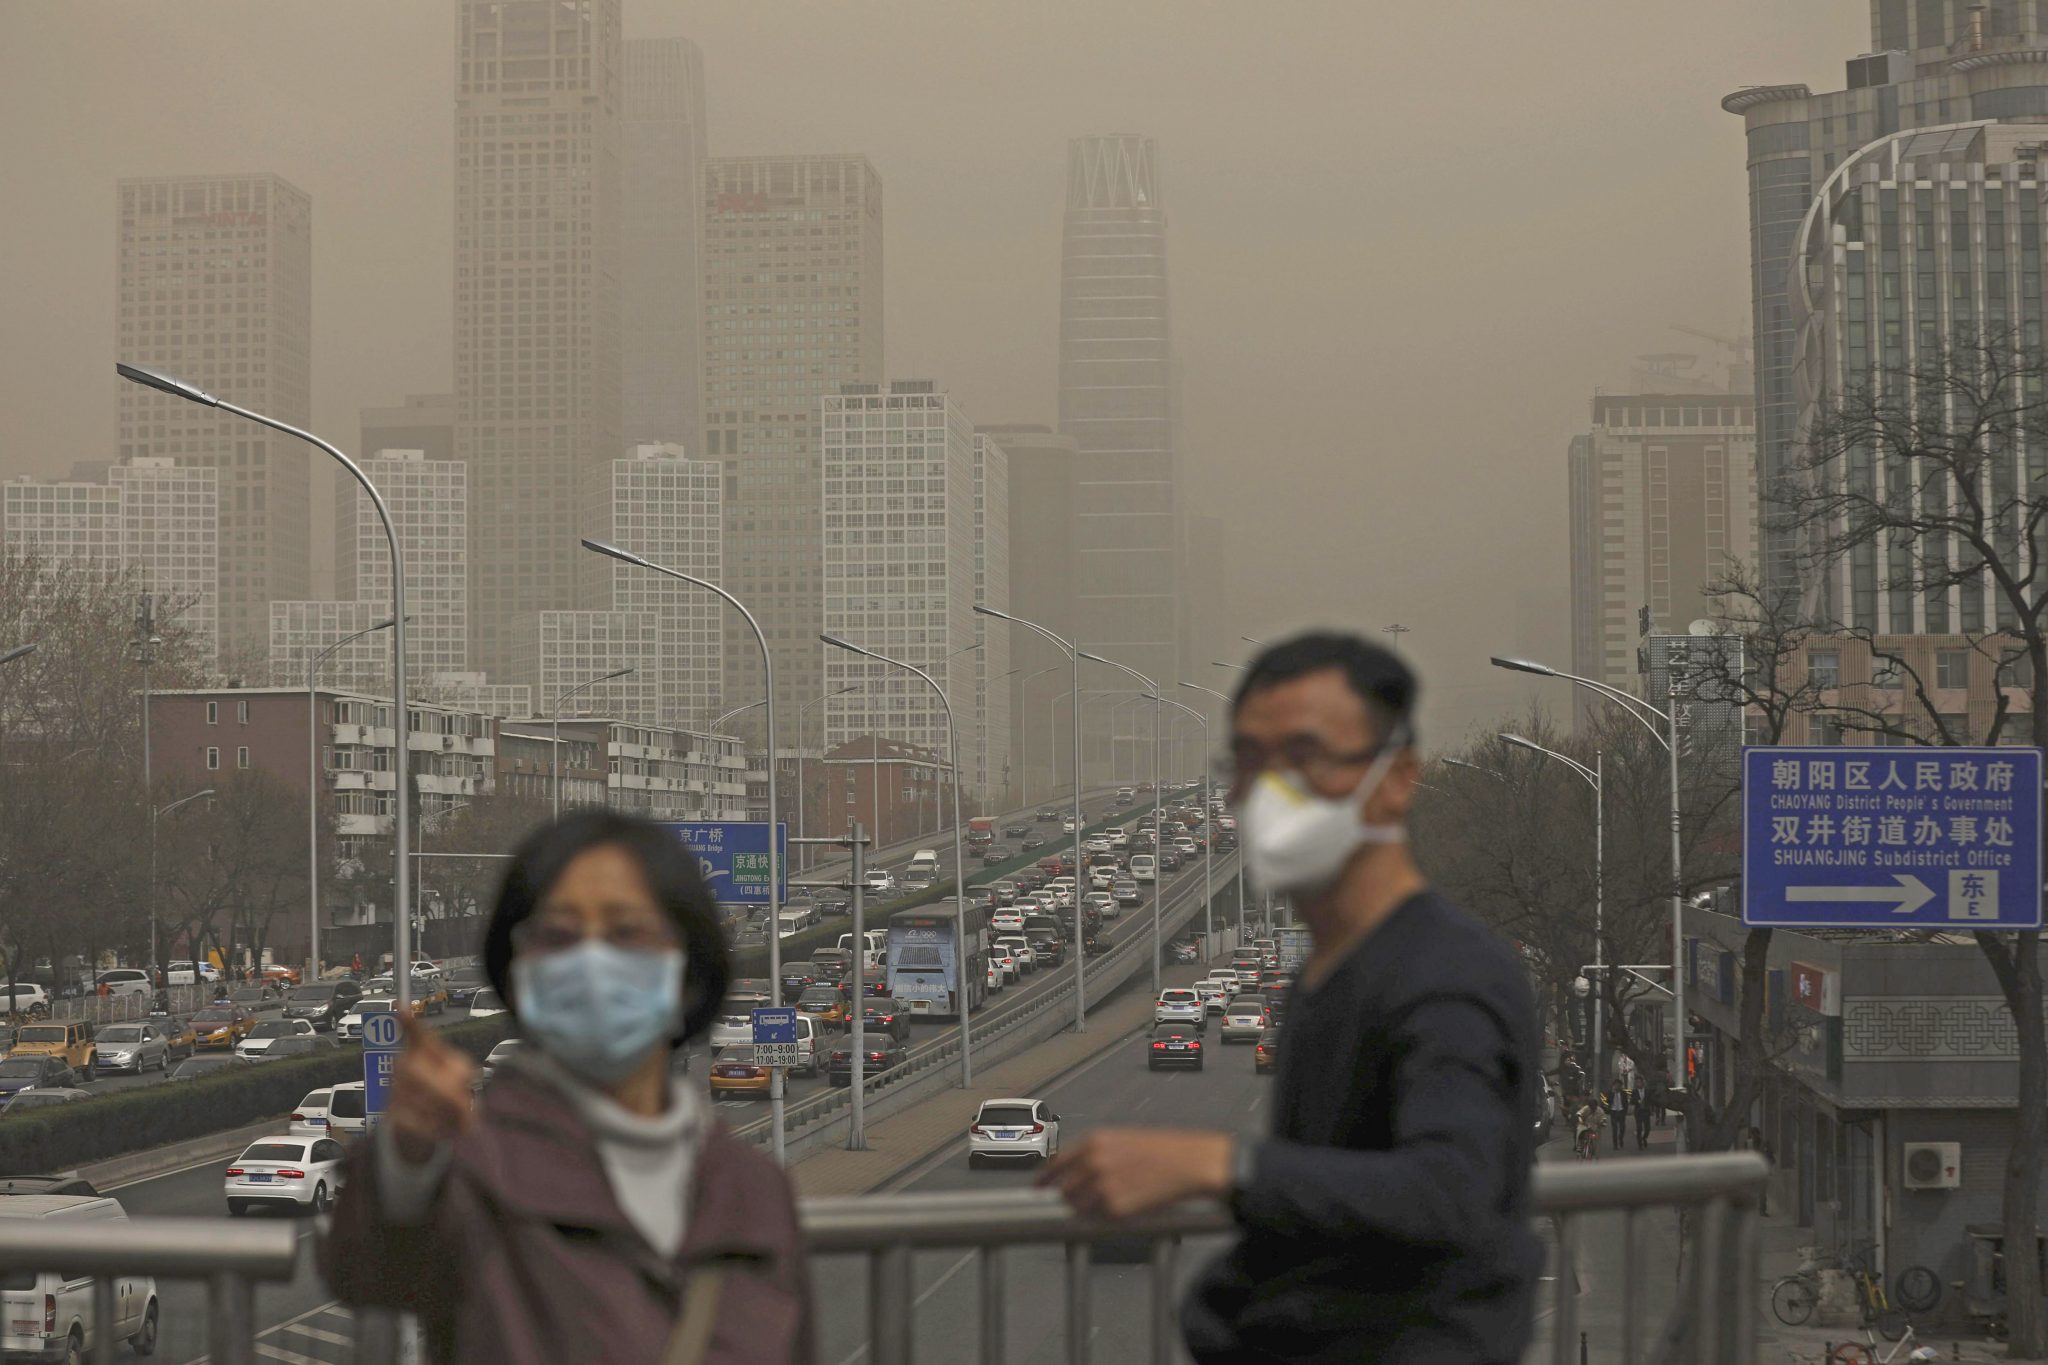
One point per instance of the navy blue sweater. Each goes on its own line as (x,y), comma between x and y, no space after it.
(1386,1218)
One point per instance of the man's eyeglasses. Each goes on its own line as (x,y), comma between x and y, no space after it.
(541,937)
(1311,758)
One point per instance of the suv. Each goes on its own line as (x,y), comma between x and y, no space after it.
(122,981)
(51,1313)
(1180,1005)
(347,1109)
(70,1041)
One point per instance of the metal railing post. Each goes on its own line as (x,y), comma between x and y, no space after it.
(1165,1256)
(231,1324)
(992,1305)
(376,1336)
(103,1320)
(1565,1286)
(889,1305)
(1077,1303)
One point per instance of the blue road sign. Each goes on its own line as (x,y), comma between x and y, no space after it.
(734,856)
(1873,838)
(775,1024)
(381,1041)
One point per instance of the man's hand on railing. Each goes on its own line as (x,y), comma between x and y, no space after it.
(432,1092)
(1119,1172)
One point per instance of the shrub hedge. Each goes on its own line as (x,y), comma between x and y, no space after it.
(66,1136)
(798,947)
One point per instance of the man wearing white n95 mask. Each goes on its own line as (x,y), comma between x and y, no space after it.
(1385,1216)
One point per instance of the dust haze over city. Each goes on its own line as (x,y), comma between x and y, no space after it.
(1405,243)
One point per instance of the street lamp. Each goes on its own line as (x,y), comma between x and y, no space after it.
(1647,716)
(1072,651)
(959,845)
(1593,776)
(1241,668)
(9,655)
(556,755)
(1208,844)
(774,808)
(402,827)
(313,793)
(157,813)
(803,711)
(1210,691)
(722,719)
(1158,810)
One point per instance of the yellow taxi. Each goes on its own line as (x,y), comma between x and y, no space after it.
(736,1075)
(824,1003)
(220,1027)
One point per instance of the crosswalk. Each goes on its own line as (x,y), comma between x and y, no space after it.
(323,1335)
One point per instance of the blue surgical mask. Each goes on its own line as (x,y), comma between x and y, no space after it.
(598,1009)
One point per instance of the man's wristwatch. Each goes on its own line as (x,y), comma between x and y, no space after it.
(1244,1161)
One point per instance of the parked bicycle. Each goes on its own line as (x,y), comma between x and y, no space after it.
(1864,1352)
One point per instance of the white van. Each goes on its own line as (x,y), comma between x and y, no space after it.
(48,1315)
(923,863)
(793,922)
(878,944)
(1143,867)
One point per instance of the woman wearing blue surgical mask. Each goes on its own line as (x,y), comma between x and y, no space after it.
(583,1207)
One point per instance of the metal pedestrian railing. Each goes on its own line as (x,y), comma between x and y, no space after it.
(229,1258)
(1711,1321)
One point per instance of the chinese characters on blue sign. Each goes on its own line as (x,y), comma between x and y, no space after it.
(734,856)
(1890,838)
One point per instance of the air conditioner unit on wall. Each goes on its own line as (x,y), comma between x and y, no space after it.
(1933,1165)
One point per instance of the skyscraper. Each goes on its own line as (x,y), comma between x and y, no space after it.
(1663,504)
(792,310)
(988,766)
(215,285)
(1934,62)
(151,514)
(1117,402)
(662,301)
(538,131)
(1039,466)
(899,562)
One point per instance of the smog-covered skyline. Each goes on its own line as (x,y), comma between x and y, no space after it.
(1406,245)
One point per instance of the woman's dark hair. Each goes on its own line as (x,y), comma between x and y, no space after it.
(1377,675)
(672,875)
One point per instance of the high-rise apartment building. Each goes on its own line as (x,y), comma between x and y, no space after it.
(899,480)
(792,310)
(1040,468)
(429,502)
(1664,504)
(339,637)
(988,764)
(1933,62)
(662,301)
(576,648)
(214,284)
(424,422)
(151,514)
(658,503)
(538,133)
(1117,401)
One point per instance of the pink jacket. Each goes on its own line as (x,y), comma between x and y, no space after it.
(526,1257)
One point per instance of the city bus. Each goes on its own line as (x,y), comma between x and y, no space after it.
(923,963)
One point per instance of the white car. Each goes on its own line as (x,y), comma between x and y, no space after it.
(1187,846)
(1006,962)
(351,1025)
(122,981)
(1101,878)
(347,1109)
(732,1026)
(1179,1005)
(1143,867)
(485,1003)
(1099,844)
(1215,995)
(505,1049)
(1103,903)
(186,973)
(1244,1021)
(1228,976)
(1009,921)
(310,1118)
(256,1043)
(1119,840)
(303,1172)
(1013,1130)
(27,996)
(1126,892)
(878,882)
(1067,826)
(1020,948)
(996,979)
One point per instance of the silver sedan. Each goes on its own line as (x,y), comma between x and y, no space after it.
(132,1047)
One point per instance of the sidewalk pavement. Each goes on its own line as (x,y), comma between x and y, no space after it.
(898,1142)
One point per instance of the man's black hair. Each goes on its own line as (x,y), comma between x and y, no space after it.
(1376,675)
(673,876)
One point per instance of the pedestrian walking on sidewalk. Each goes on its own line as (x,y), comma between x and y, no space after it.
(583,1206)
(1642,1108)
(1617,1114)
(1385,1219)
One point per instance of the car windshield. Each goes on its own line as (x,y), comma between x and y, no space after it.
(1006,1115)
(213,1017)
(22,1066)
(200,1066)
(373,1007)
(249,993)
(276,1028)
(487,999)
(121,1033)
(467,976)
(316,1100)
(309,995)
(276,1151)
(504,1049)
(345,1104)
(737,1056)
(41,1033)
(817,995)
(1177,997)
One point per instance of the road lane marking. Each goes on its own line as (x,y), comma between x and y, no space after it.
(318,1334)
(271,1352)
(1254,1104)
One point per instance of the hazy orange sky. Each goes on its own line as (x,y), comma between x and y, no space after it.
(1407,241)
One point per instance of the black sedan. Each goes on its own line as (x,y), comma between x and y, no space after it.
(1016,829)
(463,983)
(1046,813)
(996,853)
(34,1073)
(880,1056)
(1032,841)
(1172,1045)
(884,1015)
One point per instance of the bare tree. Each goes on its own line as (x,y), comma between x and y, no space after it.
(1932,487)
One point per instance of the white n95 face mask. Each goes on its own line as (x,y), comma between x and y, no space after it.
(1297,840)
